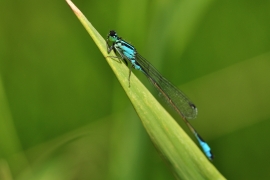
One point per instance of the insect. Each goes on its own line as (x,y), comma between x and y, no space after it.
(176,98)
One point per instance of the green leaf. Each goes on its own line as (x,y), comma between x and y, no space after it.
(185,158)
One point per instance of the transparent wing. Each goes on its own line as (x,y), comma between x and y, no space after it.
(173,95)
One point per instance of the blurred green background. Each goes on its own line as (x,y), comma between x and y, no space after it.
(63,114)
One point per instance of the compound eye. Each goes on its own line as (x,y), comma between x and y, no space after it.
(113,33)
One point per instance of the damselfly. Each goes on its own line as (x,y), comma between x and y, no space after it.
(180,103)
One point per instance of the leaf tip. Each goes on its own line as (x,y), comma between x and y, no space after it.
(74,8)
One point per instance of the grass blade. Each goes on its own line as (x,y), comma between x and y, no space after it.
(185,158)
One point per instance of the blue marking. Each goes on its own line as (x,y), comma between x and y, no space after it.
(129,52)
(205,147)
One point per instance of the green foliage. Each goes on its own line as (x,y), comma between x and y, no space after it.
(63,115)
